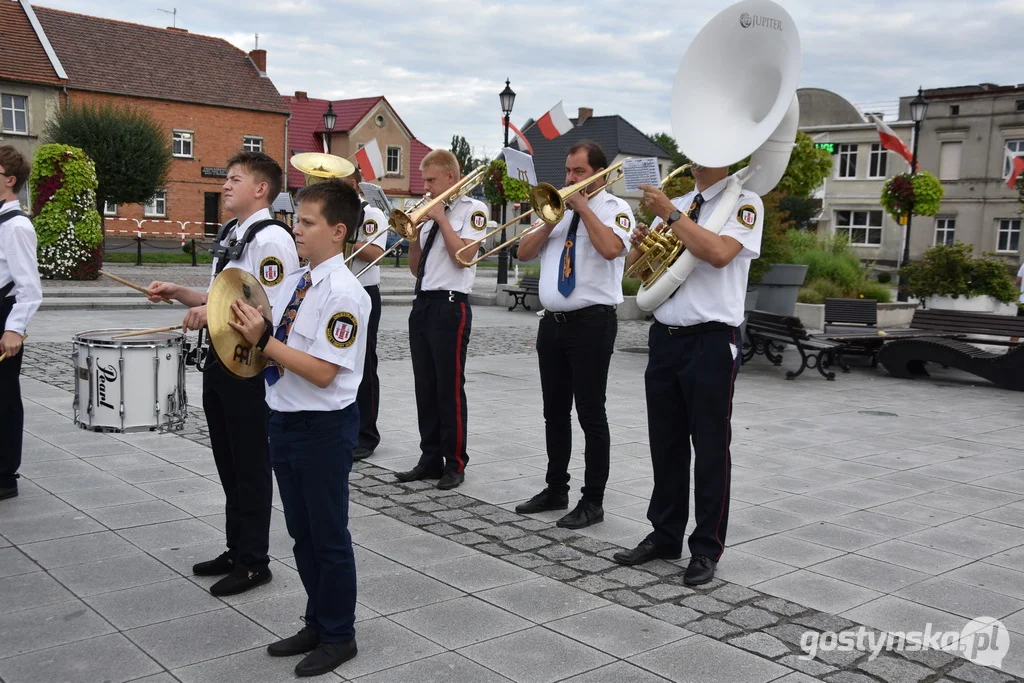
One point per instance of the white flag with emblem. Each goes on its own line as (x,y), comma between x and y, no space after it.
(520,166)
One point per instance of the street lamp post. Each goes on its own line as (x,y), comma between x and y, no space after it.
(329,120)
(918,108)
(508,98)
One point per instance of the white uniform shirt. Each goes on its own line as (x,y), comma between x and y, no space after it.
(468,218)
(598,280)
(717,294)
(18,265)
(268,258)
(1020,274)
(375,231)
(330,325)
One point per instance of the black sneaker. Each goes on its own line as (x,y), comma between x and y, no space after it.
(543,501)
(221,565)
(326,657)
(302,642)
(8,493)
(239,581)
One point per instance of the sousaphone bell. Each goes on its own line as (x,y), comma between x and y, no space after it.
(318,167)
(237,356)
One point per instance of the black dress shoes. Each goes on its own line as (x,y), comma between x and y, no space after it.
(361,453)
(302,642)
(543,501)
(216,567)
(239,581)
(8,492)
(583,515)
(326,657)
(450,480)
(700,570)
(416,474)
(645,552)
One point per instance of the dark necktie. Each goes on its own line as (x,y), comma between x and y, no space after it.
(567,279)
(423,256)
(273,371)
(694,212)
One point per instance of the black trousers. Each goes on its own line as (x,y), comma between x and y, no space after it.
(368,397)
(574,356)
(689,382)
(236,415)
(12,410)
(439,332)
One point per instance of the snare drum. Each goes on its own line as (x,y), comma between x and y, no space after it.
(129,385)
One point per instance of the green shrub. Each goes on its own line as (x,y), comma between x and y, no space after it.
(832,270)
(630,286)
(816,291)
(953,271)
(873,290)
(885,277)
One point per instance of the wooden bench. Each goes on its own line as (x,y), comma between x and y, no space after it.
(768,332)
(970,323)
(529,284)
(907,358)
(851,312)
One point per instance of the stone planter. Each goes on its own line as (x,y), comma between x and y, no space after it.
(778,290)
(896,314)
(750,304)
(628,310)
(811,315)
(980,304)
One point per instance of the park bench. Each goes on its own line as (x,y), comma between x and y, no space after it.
(529,284)
(768,333)
(1003,327)
(843,313)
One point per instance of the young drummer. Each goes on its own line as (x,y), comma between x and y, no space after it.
(316,345)
(20,296)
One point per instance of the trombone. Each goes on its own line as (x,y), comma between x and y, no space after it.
(547,201)
(659,249)
(407,223)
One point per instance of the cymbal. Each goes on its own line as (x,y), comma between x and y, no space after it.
(236,355)
(318,165)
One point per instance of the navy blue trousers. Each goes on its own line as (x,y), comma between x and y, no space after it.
(311,453)
(12,410)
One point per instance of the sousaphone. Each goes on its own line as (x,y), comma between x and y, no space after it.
(237,356)
(318,167)
(734,96)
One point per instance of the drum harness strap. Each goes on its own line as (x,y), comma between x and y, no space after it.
(4,217)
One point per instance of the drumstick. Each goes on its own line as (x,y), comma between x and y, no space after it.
(3,355)
(132,285)
(152,331)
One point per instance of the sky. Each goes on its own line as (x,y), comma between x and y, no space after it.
(442,63)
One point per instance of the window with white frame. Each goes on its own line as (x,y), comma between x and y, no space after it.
(878,161)
(847,161)
(1013,148)
(15,108)
(109,208)
(1009,235)
(394,160)
(181,143)
(863,228)
(949,160)
(157,206)
(252,143)
(944,231)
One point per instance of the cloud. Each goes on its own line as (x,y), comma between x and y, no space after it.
(442,63)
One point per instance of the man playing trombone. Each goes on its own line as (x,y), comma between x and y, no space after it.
(582,258)
(369,247)
(441,320)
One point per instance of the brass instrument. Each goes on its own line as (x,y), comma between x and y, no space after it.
(407,223)
(659,249)
(549,203)
(318,167)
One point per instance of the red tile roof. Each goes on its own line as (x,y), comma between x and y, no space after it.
(167,64)
(416,153)
(22,57)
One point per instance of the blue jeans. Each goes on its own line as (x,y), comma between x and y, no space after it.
(311,453)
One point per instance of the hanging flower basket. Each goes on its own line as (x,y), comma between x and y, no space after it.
(905,194)
(499,188)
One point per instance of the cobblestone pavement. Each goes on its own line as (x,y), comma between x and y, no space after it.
(864,501)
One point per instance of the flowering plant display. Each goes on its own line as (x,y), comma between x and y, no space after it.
(912,193)
(499,188)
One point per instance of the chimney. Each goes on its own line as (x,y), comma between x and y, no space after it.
(301,96)
(585,113)
(259,58)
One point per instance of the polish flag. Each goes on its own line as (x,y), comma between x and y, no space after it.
(520,140)
(371,165)
(555,122)
(1015,171)
(892,141)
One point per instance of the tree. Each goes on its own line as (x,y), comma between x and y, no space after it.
(464,153)
(130,150)
(668,143)
(807,169)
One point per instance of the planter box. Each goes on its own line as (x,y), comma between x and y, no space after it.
(897,314)
(811,315)
(778,290)
(981,304)
(628,310)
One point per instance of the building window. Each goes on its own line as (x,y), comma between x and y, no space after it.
(394,160)
(251,143)
(1013,148)
(1020,105)
(949,160)
(157,206)
(864,228)
(954,110)
(181,143)
(1009,235)
(877,161)
(944,229)
(15,114)
(847,161)
(109,208)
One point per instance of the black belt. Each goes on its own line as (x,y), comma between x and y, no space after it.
(7,289)
(579,313)
(684,330)
(448,294)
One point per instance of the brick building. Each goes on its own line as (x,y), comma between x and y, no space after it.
(212,99)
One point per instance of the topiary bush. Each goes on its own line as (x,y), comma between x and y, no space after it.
(68,226)
(884,277)
(953,271)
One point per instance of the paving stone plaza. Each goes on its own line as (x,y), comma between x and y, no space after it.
(864,502)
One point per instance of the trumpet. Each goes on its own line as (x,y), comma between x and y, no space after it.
(659,249)
(545,200)
(407,223)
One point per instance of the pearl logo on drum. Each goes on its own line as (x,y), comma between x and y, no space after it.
(103,376)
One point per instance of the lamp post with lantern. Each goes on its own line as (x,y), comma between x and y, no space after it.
(918,109)
(508,98)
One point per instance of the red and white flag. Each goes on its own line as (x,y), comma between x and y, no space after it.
(371,165)
(519,140)
(554,123)
(1016,168)
(892,141)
